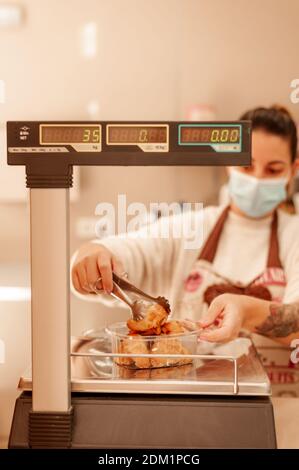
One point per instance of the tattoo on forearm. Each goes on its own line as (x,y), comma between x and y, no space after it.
(282,321)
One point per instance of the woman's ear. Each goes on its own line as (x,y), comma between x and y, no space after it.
(295,168)
(294,171)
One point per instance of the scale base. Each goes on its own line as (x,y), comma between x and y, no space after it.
(159,421)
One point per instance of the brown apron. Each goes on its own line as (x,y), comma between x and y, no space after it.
(204,284)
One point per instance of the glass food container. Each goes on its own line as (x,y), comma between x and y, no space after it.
(125,343)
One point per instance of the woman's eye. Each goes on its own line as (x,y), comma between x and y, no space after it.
(274,171)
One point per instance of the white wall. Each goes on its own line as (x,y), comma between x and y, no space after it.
(240,53)
(154,59)
(15,334)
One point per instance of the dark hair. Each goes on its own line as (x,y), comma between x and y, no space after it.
(275,120)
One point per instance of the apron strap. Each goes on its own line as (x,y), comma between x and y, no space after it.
(209,249)
(273,260)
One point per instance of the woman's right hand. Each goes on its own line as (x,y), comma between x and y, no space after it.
(94,262)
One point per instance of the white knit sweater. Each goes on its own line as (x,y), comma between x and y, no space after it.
(159,265)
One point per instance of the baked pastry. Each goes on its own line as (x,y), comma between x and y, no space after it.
(133,345)
(153,324)
(168,346)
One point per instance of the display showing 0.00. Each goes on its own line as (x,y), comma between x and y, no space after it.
(209,135)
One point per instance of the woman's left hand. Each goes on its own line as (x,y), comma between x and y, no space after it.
(227,313)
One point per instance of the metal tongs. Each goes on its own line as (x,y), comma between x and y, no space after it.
(138,301)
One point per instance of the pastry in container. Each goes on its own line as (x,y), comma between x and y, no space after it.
(169,341)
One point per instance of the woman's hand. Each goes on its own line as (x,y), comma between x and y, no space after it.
(94,261)
(227,313)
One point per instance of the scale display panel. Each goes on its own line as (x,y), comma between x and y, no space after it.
(149,138)
(84,137)
(222,138)
(134,143)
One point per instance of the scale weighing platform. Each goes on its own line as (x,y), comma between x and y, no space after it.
(76,396)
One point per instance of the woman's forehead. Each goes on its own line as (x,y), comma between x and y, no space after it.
(268,147)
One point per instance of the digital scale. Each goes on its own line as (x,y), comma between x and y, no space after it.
(75,396)
(124,143)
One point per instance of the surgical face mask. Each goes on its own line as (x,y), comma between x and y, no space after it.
(256,197)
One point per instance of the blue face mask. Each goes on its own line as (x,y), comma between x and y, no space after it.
(256,197)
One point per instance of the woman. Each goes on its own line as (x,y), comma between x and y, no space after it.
(247,273)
